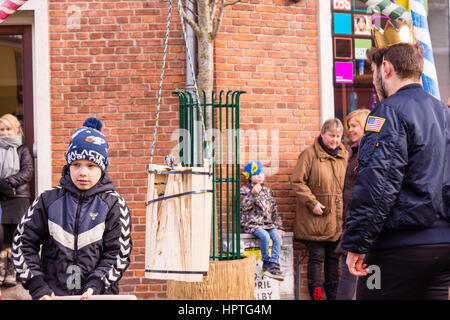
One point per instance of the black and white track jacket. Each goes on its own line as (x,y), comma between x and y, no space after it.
(85,237)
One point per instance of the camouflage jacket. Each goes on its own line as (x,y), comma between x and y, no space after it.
(258,211)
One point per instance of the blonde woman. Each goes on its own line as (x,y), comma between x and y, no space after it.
(354,128)
(16,171)
(318,182)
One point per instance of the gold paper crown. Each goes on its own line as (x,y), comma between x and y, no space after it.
(392,35)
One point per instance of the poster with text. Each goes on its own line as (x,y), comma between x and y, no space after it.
(342,5)
(361,47)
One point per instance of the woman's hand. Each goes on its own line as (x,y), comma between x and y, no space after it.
(318,209)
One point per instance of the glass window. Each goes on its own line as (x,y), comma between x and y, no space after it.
(352,78)
(439,25)
(351,37)
(11,84)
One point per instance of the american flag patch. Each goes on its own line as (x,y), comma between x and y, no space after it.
(374,123)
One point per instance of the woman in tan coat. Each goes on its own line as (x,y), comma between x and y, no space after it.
(318,182)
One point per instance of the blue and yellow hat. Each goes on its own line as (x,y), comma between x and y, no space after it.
(252,168)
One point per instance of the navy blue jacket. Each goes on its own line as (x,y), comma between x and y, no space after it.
(85,238)
(403,170)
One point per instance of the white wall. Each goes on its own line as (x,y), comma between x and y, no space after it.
(325,61)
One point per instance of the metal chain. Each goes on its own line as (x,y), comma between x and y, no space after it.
(205,140)
(161,81)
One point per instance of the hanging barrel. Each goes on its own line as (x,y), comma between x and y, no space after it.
(178,222)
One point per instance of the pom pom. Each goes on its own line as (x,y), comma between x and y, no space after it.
(93,122)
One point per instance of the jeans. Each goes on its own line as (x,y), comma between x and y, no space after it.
(414,273)
(323,253)
(347,282)
(264,238)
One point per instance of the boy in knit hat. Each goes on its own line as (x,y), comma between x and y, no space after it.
(83,225)
(259,216)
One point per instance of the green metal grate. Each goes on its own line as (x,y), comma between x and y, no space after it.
(224,148)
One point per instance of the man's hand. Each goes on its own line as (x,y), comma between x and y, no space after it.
(318,209)
(355,264)
(257,188)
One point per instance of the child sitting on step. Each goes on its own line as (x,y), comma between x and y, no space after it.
(259,216)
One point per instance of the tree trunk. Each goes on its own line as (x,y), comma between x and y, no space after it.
(205,57)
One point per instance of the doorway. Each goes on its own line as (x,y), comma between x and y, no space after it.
(16,79)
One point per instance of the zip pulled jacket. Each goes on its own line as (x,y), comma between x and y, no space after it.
(85,238)
(259,211)
(403,170)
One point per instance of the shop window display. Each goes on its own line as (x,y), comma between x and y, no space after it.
(352,37)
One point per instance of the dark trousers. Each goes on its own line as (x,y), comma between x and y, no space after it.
(413,273)
(323,253)
(347,282)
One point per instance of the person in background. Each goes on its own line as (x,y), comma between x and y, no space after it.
(16,171)
(260,217)
(318,182)
(354,127)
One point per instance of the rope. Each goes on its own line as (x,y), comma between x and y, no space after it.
(161,81)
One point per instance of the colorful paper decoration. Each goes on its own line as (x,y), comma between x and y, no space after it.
(344,72)
(343,48)
(386,7)
(360,7)
(362,25)
(422,34)
(8,7)
(361,46)
(342,23)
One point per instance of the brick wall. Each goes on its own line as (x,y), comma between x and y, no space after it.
(105,60)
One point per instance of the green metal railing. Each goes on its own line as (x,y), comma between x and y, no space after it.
(224,154)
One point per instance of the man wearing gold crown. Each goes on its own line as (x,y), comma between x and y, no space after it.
(399,221)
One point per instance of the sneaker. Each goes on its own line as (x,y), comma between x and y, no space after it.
(266,265)
(10,274)
(317,295)
(273,271)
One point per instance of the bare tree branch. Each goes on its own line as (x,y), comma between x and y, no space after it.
(191,22)
(213,9)
(223,4)
(231,3)
(188,9)
(219,20)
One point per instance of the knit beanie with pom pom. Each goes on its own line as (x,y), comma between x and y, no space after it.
(89,143)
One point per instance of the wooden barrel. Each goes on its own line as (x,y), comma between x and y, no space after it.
(227,280)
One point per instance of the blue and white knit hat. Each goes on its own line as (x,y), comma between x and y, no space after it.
(252,168)
(89,143)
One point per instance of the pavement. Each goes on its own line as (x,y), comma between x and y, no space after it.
(14,293)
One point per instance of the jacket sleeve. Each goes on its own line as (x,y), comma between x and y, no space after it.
(299,180)
(383,157)
(274,212)
(248,200)
(29,235)
(26,170)
(117,243)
